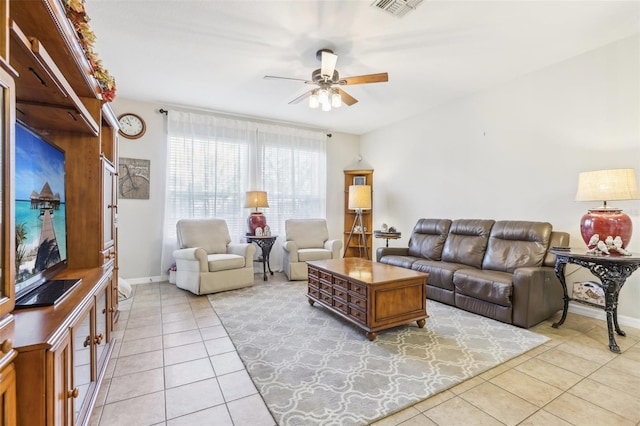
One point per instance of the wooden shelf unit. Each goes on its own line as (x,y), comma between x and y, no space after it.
(53,359)
(356,245)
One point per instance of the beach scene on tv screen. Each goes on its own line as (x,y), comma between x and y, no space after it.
(40,206)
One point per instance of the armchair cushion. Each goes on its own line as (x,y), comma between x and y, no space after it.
(223,262)
(313,254)
(307,233)
(212,235)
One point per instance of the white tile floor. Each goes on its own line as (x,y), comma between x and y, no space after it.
(173,364)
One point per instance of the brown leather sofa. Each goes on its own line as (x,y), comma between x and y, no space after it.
(499,269)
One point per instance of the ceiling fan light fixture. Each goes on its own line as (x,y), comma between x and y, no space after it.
(326,106)
(323,96)
(336,99)
(314,102)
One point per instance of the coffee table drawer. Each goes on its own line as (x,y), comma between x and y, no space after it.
(314,282)
(326,277)
(341,282)
(359,289)
(357,315)
(326,298)
(314,292)
(341,306)
(326,287)
(313,272)
(359,302)
(341,293)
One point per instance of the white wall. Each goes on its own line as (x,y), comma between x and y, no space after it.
(141,221)
(515,151)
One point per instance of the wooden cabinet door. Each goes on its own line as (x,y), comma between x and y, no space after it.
(102,329)
(8,396)
(60,412)
(83,361)
(7,220)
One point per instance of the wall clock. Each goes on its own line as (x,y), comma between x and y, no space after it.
(132,126)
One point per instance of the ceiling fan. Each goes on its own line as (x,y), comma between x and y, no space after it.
(327,94)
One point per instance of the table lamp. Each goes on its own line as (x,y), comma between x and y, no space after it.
(359,200)
(256,199)
(606,221)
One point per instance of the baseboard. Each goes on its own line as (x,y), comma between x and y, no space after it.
(590,312)
(160,278)
(146,280)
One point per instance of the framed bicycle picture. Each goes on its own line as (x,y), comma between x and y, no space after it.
(133,178)
(359,180)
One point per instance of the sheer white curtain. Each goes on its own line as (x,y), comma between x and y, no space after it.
(207,163)
(213,160)
(292,168)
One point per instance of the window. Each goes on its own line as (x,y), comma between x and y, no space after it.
(212,161)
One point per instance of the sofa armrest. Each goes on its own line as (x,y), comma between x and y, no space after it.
(292,250)
(243,249)
(334,247)
(537,295)
(189,255)
(391,251)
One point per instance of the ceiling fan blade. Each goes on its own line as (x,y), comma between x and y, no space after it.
(328,64)
(301,97)
(364,79)
(347,98)
(273,77)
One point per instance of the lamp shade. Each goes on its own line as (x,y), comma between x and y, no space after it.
(607,185)
(256,199)
(360,197)
(607,223)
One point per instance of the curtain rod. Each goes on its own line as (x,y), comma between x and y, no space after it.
(166,112)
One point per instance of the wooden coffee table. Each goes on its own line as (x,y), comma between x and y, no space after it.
(374,296)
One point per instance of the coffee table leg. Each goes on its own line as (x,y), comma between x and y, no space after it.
(311,301)
(421,323)
(371,335)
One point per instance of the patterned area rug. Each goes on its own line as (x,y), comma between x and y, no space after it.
(314,368)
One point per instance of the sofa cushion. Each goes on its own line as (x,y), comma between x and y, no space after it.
(490,286)
(396,260)
(307,233)
(223,262)
(467,241)
(305,255)
(440,273)
(516,244)
(428,237)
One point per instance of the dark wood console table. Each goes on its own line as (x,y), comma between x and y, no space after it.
(612,270)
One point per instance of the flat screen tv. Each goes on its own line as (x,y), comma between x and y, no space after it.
(40,218)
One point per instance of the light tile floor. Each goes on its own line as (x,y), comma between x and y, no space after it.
(173,364)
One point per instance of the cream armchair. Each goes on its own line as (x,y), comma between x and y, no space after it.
(306,239)
(207,262)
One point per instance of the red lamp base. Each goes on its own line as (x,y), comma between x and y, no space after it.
(605,223)
(256,220)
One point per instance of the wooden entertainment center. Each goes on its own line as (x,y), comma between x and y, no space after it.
(53,359)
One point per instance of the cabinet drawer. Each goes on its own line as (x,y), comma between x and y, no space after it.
(341,282)
(314,282)
(341,293)
(357,315)
(108,255)
(313,272)
(314,292)
(326,276)
(341,305)
(357,301)
(326,298)
(358,289)
(326,287)
(6,341)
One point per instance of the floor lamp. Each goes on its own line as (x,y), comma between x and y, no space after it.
(359,200)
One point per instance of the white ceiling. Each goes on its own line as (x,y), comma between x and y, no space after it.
(213,54)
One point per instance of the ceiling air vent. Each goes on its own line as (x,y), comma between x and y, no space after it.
(396,7)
